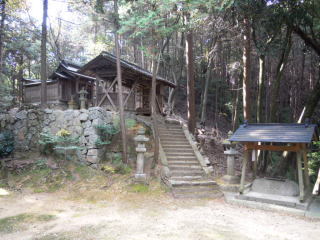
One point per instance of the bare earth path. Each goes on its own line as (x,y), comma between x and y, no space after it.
(141,216)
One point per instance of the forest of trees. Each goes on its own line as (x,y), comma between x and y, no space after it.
(232,60)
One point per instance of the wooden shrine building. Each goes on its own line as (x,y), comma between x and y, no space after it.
(98,78)
(277,137)
(62,85)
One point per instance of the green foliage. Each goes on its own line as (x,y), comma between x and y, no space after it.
(139,188)
(62,142)
(314,162)
(105,132)
(21,221)
(6,143)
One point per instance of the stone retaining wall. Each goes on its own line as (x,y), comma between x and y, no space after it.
(27,125)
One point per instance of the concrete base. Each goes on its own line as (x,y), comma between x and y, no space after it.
(313,210)
(231,179)
(140,178)
(286,201)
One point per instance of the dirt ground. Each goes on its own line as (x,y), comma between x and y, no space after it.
(142,215)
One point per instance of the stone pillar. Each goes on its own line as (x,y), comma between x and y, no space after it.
(231,178)
(231,153)
(140,176)
(83,98)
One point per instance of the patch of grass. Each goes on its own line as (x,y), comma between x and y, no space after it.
(84,233)
(138,188)
(20,222)
(84,171)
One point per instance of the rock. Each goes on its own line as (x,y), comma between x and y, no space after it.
(21,115)
(86,124)
(48,111)
(32,116)
(83,117)
(97,122)
(75,122)
(282,188)
(46,121)
(92,159)
(52,117)
(76,113)
(92,139)
(89,131)
(92,152)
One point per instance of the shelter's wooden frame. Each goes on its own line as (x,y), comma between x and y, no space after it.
(300,148)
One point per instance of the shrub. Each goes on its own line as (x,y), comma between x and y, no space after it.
(6,143)
(60,143)
(314,162)
(105,132)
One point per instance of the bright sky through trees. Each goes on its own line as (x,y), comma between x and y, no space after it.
(57,9)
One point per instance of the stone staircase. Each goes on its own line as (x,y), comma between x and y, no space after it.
(187,177)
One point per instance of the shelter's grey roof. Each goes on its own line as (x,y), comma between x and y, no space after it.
(274,132)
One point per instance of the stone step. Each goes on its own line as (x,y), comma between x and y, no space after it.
(180,150)
(210,194)
(194,172)
(186,178)
(181,158)
(190,189)
(170,128)
(176,183)
(174,143)
(182,162)
(180,154)
(184,167)
(172,135)
(176,146)
(173,139)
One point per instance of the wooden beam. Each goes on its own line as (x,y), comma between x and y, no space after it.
(306,168)
(106,95)
(254,146)
(160,110)
(300,177)
(243,172)
(127,98)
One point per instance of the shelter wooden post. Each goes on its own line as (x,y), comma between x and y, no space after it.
(306,167)
(97,90)
(244,166)
(300,177)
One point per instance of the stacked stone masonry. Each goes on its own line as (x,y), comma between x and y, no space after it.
(27,125)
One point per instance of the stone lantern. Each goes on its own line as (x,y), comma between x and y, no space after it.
(83,98)
(141,139)
(231,153)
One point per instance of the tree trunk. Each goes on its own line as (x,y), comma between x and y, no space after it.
(279,73)
(261,89)
(3,17)
(205,94)
(119,81)
(154,107)
(44,55)
(246,69)
(190,79)
(20,81)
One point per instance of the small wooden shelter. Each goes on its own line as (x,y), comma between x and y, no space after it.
(277,137)
(63,85)
(98,78)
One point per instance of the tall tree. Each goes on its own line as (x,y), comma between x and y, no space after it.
(119,80)
(190,77)
(44,55)
(2,31)
(246,68)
